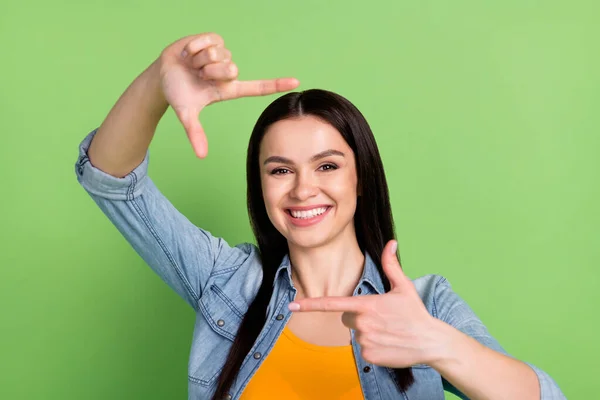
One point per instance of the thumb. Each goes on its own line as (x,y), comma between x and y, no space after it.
(193,130)
(391,266)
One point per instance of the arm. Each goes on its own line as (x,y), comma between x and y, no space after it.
(474,365)
(190,74)
(113,161)
(180,253)
(121,142)
(397,330)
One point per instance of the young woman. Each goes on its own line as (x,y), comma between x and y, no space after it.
(321,308)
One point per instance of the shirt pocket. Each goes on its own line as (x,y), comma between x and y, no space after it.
(216,327)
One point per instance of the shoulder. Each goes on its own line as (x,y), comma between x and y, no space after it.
(428,282)
(438,296)
(445,304)
(428,285)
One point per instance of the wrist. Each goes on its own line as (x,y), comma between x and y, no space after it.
(151,82)
(444,345)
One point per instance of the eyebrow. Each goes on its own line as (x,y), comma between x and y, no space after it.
(318,156)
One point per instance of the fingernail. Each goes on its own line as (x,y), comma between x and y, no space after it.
(294,306)
(394,247)
(184,53)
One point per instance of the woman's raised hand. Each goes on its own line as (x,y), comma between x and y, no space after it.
(197,71)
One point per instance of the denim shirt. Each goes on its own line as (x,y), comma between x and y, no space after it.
(220,281)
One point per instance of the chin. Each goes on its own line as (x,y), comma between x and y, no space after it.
(307,242)
(311,239)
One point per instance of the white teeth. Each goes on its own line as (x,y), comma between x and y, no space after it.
(308,214)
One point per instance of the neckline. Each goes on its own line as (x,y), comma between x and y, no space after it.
(314,347)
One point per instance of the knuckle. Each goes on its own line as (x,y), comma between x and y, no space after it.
(194,45)
(211,54)
(262,87)
(210,35)
(206,72)
(202,41)
(215,38)
(233,69)
(197,61)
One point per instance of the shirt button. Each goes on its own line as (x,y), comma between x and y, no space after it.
(359,291)
(279,317)
(220,322)
(257,355)
(228,397)
(367,369)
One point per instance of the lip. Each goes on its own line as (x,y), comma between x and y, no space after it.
(307,221)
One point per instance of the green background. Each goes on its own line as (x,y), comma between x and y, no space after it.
(487,118)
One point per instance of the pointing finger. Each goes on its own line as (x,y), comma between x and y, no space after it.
(345,304)
(265,87)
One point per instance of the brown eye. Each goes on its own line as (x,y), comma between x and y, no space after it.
(280,171)
(328,167)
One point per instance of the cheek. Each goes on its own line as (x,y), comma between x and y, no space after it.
(344,187)
(272,195)
(344,193)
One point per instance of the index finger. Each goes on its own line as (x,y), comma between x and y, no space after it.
(344,304)
(265,87)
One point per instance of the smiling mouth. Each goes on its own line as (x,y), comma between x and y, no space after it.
(315,212)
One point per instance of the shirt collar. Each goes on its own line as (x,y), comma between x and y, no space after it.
(370,276)
(284,269)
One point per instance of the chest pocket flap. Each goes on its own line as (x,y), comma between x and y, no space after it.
(220,312)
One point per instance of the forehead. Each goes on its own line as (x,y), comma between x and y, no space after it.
(301,138)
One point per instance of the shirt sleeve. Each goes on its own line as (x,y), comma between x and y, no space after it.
(452,309)
(182,254)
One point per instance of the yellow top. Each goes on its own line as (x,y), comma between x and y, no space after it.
(297,370)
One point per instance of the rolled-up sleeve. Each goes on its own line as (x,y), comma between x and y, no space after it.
(101,184)
(452,309)
(548,388)
(182,254)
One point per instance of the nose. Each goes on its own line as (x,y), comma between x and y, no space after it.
(305,186)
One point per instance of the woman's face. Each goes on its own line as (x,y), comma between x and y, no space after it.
(309,181)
